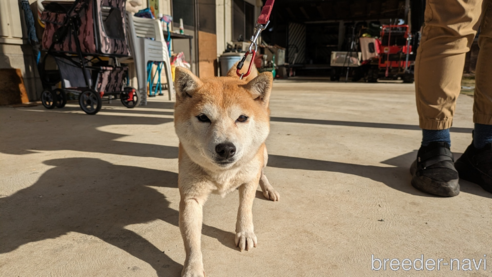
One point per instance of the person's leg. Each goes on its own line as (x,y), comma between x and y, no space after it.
(449,29)
(482,135)
(476,163)
(482,108)
(429,136)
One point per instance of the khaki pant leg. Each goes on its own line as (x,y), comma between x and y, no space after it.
(482,108)
(449,29)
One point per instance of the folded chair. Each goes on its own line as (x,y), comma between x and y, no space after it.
(147,44)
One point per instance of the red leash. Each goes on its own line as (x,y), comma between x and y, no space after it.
(261,25)
(265,13)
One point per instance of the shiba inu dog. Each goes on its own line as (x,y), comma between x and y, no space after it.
(222,124)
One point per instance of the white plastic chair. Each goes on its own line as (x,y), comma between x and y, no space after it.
(144,50)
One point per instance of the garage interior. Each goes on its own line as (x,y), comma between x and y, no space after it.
(311,29)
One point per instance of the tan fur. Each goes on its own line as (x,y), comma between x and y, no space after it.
(223,100)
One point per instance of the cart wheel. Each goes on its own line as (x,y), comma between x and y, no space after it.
(372,74)
(48,98)
(129,97)
(90,102)
(408,78)
(358,74)
(61,98)
(335,75)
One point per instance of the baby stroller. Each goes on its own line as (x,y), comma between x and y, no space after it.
(85,38)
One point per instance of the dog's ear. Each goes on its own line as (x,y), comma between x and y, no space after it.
(253,74)
(261,87)
(186,83)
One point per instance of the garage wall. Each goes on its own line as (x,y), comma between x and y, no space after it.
(15,52)
(10,23)
(224,24)
(297,42)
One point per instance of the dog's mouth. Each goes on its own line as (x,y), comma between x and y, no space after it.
(225,163)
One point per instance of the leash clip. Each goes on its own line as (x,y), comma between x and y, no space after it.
(253,48)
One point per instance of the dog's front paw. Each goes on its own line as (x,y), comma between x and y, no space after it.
(190,272)
(268,191)
(193,269)
(246,240)
(271,194)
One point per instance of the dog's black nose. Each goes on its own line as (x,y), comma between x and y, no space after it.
(225,150)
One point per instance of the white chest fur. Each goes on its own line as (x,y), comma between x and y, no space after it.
(229,180)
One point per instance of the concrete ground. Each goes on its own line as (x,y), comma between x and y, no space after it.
(97,195)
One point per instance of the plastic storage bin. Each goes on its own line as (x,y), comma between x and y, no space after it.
(227,60)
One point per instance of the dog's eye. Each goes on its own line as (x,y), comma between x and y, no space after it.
(203,118)
(242,118)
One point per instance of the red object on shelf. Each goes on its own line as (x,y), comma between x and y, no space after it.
(259,61)
(384,50)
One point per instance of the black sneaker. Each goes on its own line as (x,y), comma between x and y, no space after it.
(434,172)
(475,165)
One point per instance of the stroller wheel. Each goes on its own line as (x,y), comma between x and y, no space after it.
(48,98)
(61,98)
(90,102)
(129,97)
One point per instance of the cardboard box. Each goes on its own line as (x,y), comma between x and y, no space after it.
(13,91)
(343,59)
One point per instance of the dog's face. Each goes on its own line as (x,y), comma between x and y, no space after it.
(221,122)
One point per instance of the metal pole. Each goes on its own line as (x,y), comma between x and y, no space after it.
(407,9)
(352,43)
(197,45)
(408,52)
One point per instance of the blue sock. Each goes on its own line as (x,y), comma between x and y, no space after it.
(482,135)
(429,136)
